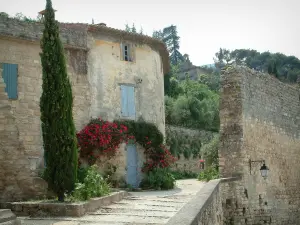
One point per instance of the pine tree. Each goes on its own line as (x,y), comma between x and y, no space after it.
(133,29)
(127,28)
(171,38)
(56,103)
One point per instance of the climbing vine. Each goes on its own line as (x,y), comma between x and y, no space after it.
(148,135)
(103,138)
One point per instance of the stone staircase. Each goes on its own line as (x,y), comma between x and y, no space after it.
(8,218)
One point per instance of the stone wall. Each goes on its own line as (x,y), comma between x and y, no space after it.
(259,121)
(204,209)
(95,75)
(15,167)
(107,72)
(192,164)
(13,28)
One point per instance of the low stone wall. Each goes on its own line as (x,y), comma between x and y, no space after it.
(45,209)
(204,208)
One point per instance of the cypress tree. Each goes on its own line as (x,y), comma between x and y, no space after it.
(56,103)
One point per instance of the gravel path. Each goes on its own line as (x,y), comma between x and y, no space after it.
(155,207)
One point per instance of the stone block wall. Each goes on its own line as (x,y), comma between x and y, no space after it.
(17,177)
(259,121)
(107,72)
(192,164)
(95,75)
(13,28)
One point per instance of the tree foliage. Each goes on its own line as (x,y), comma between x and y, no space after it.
(56,103)
(133,29)
(171,39)
(192,104)
(169,35)
(285,68)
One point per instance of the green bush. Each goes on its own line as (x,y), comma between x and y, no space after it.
(94,185)
(159,179)
(209,151)
(81,174)
(209,174)
(178,174)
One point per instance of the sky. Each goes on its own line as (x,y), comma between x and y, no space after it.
(204,26)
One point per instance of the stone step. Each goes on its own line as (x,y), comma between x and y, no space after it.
(7,217)
(135,212)
(53,222)
(12,222)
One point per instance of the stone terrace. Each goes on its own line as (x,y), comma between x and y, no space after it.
(155,207)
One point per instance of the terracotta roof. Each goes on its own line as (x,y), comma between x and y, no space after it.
(154,43)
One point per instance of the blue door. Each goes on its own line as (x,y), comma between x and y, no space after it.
(132,170)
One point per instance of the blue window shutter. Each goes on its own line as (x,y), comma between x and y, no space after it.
(10,77)
(124,100)
(131,101)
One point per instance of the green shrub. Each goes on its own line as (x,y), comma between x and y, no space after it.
(210,151)
(81,174)
(94,185)
(209,174)
(178,174)
(158,179)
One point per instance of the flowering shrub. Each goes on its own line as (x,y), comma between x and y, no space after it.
(100,138)
(103,138)
(159,157)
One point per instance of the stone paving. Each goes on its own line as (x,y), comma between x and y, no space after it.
(155,207)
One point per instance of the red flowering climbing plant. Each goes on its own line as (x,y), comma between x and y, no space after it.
(159,157)
(101,138)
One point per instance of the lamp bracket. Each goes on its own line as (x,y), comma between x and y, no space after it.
(255,162)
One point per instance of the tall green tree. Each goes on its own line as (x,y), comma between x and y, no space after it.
(171,38)
(56,111)
(285,68)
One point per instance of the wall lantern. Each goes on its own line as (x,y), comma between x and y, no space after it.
(263,169)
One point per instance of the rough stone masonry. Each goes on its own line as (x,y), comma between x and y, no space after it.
(260,118)
(96,70)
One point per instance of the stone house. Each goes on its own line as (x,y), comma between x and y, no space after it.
(114,74)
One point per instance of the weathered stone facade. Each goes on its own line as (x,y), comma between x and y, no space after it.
(96,72)
(259,121)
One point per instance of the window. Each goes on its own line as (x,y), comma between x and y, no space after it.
(10,77)
(127,101)
(127,52)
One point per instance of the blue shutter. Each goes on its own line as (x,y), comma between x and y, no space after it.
(10,77)
(124,111)
(131,101)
